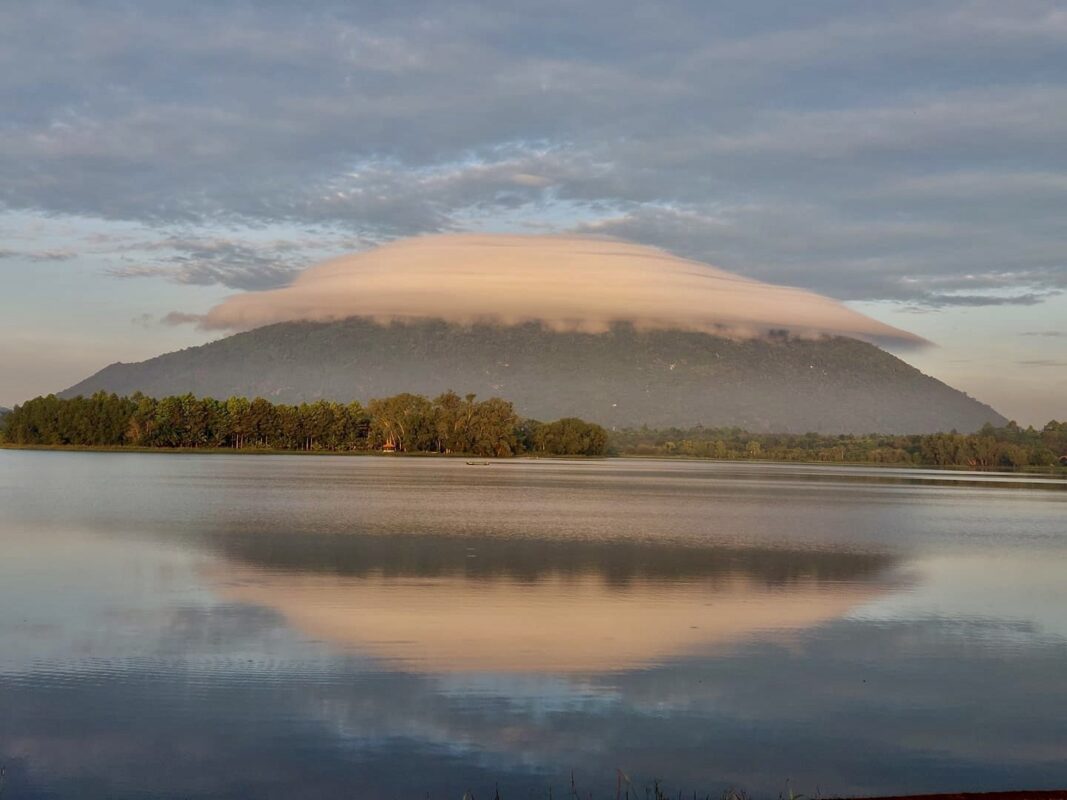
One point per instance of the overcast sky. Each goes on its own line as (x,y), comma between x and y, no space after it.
(908,158)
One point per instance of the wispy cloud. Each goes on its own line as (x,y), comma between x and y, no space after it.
(181,318)
(36,256)
(237,263)
(981,300)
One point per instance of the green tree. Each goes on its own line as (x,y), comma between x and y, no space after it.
(405,421)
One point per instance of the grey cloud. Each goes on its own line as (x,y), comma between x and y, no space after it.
(994,119)
(935,262)
(230,262)
(977,300)
(37,255)
(982,184)
(180,318)
(928,32)
(1051,334)
(1042,362)
(239,276)
(843,149)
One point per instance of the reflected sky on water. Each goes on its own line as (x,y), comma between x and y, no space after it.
(217,626)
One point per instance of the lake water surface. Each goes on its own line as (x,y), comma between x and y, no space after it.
(281,626)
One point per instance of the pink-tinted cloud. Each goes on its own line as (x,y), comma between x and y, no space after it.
(568,283)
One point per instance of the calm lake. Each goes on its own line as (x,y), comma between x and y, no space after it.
(282,626)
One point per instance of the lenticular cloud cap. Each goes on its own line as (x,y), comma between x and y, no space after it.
(565,282)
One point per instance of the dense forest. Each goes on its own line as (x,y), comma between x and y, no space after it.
(1004,447)
(405,423)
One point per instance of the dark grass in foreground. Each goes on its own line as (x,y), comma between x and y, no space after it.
(625,790)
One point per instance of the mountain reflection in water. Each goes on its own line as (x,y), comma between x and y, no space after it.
(446,604)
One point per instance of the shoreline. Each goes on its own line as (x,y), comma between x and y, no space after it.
(1053,471)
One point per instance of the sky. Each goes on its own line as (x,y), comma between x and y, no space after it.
(906,158)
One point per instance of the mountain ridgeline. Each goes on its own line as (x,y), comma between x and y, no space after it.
(622,378)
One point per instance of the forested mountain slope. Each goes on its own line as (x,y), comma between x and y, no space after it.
(624,377)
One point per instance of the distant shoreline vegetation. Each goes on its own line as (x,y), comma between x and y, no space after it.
(1010,446)
(450,424)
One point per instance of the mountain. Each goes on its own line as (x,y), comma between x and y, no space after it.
(624,377)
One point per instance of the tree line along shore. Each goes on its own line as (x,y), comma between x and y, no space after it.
(1007,447)
(407,423)
(450,423)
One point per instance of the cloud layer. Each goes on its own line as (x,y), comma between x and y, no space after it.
(566,282)
(906,151)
